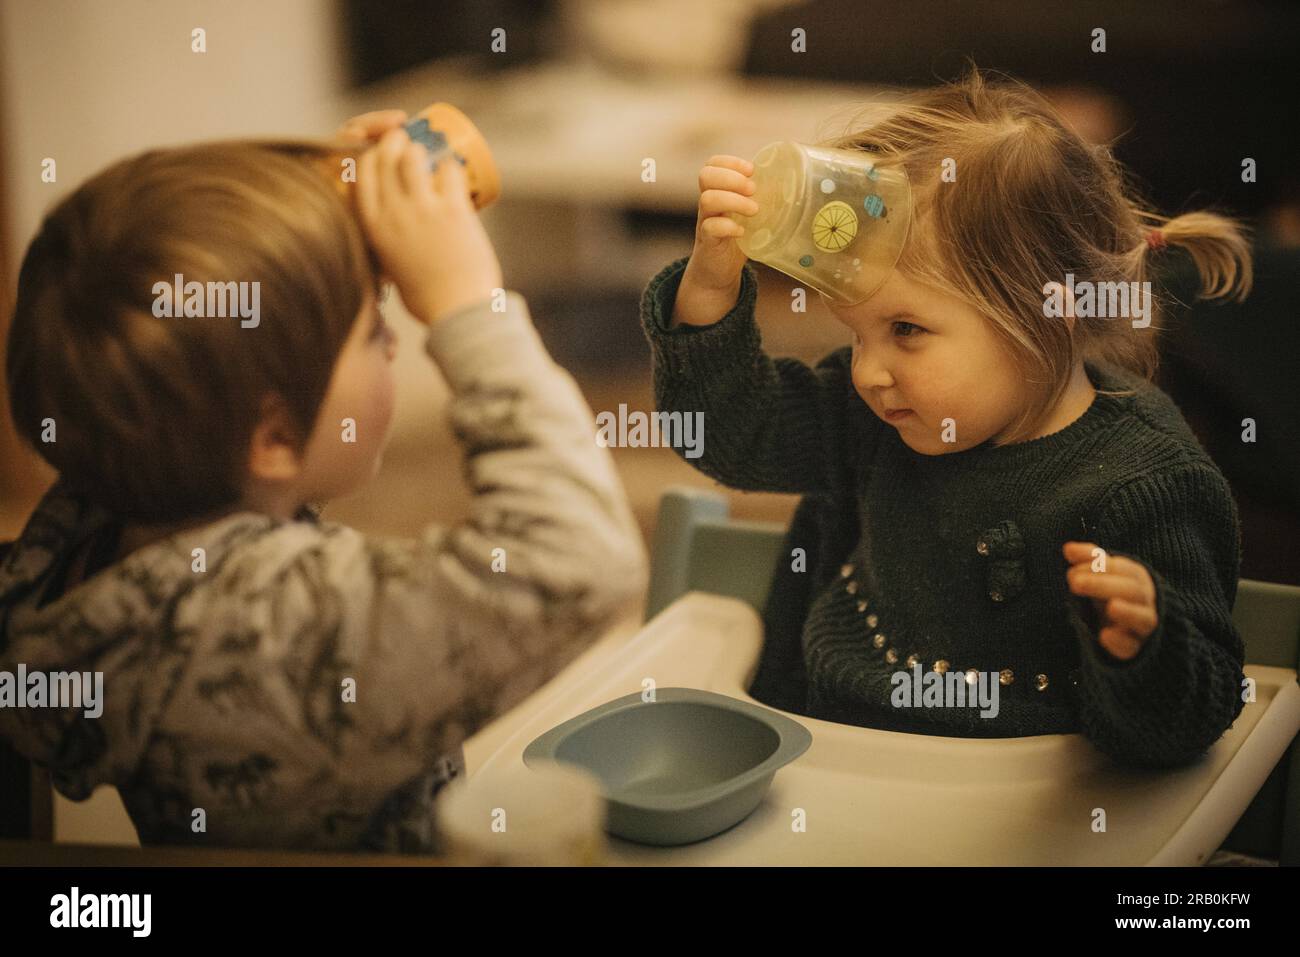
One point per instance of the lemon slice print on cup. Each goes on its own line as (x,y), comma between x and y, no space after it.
(834,226)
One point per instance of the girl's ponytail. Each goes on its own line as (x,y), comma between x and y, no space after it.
(1218,247)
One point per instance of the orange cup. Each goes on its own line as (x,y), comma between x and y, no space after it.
(443,129)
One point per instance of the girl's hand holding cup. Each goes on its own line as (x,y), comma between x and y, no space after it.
(711,282)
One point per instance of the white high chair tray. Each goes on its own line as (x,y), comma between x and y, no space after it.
(873,797)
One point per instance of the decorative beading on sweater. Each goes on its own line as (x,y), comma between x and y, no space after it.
(1003,546)
(892,647)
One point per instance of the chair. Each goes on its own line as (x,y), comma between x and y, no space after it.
(698,548)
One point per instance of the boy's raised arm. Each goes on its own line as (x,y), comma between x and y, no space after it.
(487,610)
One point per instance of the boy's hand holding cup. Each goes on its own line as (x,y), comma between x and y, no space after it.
(423,227)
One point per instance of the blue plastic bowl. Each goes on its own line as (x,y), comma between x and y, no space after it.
(681,768)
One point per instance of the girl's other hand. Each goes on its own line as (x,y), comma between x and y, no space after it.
(1124,596)
(424,228)
(711,283)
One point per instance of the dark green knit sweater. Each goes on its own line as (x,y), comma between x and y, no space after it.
(956,559)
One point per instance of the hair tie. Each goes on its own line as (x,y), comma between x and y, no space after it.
(1156,239)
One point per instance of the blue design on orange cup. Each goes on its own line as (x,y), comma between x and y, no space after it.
(421,132)
(432,140)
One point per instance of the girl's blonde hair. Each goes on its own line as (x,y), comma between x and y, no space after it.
(153,416)
(1031,202)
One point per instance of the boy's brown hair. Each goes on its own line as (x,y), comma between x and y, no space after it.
(1032,202)
(153,416)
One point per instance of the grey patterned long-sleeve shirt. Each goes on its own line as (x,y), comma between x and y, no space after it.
(311,687)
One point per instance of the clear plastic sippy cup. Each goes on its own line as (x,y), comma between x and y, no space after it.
(827,217)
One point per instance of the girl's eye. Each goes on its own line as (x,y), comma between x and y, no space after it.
(910,326)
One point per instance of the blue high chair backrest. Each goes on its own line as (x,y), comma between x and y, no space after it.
(697,547)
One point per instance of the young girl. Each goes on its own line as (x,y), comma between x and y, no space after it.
(986,491)
(271,679)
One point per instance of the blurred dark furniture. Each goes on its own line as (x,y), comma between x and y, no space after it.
(1222,363)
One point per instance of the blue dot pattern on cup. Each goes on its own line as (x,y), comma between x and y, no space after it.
(805,261)
(874,205)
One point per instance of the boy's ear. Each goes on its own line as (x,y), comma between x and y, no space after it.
(274,453)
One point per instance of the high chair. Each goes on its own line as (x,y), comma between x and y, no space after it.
(697,547)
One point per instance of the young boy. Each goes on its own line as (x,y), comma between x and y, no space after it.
(270,679)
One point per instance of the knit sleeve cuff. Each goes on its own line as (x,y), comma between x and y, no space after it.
(700,350)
